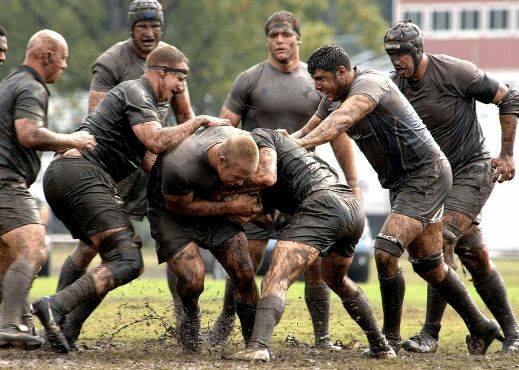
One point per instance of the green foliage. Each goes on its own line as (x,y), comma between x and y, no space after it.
(221,38)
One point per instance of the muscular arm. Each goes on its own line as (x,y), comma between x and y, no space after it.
(349,113)
(188,206)
(504,164)
(310,125)
(34,135)
(94,98)
(148,161)
(181,105)
(231,116)
(158,139)
(345,154)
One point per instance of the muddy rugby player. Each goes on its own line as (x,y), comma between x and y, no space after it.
(443,90)
(327,222)
(80,185)
(23,118)
(184,217)
(411,165)
(122,62)
(279,93)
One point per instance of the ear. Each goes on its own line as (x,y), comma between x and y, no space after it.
(222,159)
(341,71)
(46,58)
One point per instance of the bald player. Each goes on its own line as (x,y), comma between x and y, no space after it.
(184,217)
(23,120)
(80,185)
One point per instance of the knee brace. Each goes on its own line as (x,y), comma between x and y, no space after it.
(425,264)
(389,244)
(470,242)
(123,256)
(451,234)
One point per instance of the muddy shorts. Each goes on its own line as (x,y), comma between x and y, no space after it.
(471,186)
(17,206)
(422,196)
(83,197)
(327,220)
(172,233)
(257,232)
(133,192)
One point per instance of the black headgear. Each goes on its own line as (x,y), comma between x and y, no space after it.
(405,38)
(145,10)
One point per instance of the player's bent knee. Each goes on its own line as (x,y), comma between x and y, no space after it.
(425,265)
(389,245)
(451,234)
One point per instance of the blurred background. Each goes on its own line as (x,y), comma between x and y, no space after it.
(221,38)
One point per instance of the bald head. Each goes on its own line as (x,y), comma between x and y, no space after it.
(241,150)
(47,53)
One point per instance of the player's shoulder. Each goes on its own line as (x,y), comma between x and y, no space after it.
(369,76)
(253,72)
(450,63)
(115,54)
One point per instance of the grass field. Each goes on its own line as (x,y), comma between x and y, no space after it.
(108,344)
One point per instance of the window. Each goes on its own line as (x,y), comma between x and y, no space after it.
(414,16)
(498,19)
(469,20)
(441,20)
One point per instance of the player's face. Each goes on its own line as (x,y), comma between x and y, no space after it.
(146,35)
(327,83)
(403,64)
(283,44)
(232,174)
(3,49)
(173,83)
(58,64)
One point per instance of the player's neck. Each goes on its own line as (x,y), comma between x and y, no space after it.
(212,155)
(422,68)
(290,66)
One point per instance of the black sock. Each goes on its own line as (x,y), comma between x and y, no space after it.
(456,294)
(246,313)
(77,317)
(75,294)
(69,273)
(268,313)
(360,310)
(188,330)
(493,292)
(17,282)
(229,307)
(317,299)
(435,308)
(177,303)
(392,291)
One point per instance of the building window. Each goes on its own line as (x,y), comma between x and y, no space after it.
(498,19)
(469,19)
(414,16)
(441,21)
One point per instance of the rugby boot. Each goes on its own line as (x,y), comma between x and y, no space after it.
(51,319)
(19,337)
(189,335)
(478,344)
(71,333)
(423,342)
(510,345)
(394,341)
(380,349)
(325,343)
(252,354)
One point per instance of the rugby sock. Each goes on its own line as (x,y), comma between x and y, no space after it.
(27,319)
(246,313)
(392,291)
(493,292)
(82,290)
(455,293)
(69,273)
(77,317)
(360,310)
(229,308)
(177,303)
(433,316)
(268,313)
(189,329)
(17,282)
(317,299)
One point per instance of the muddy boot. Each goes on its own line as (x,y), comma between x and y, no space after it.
(478,344)
(510,346)
(380,350)
(51,318)
(222,328)
(423,342)
(251,354)
(19,337)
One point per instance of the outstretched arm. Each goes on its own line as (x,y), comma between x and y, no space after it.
(349,113)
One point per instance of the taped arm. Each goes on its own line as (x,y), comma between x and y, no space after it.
(349,113)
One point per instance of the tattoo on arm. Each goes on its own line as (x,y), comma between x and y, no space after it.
(508,128)
(349,113)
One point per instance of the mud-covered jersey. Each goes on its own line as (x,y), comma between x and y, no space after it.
(118,64)
(299,172)
(186,168)
(445,99)
(268,98)
(22,95)
(118,151)
(392,136)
